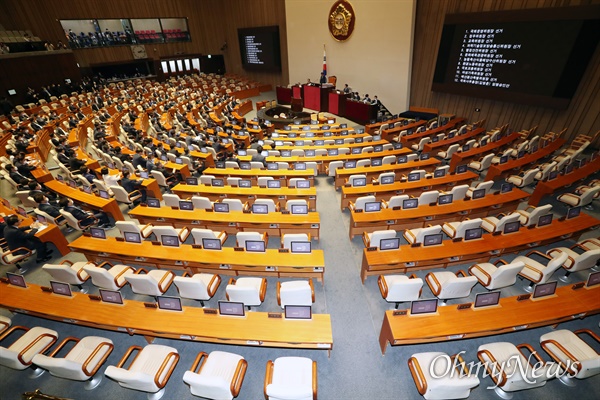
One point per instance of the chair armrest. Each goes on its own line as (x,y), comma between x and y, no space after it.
(477,267)
(200,357)
(314,380)
(539,253)
(532,269)
(365,238)
(134,194)
(277,207)
(263,289)
(187,274)
(62,344)
(383,288)
(98,362)
(351,206)
(575,362)
(210,292)
(170,275)
(268,377)
(418,376)
(462,273)
(408,232)
(459,361)
(29,253)
(266,238)
(238,377)
(312,290)
(120,274)
(431,280)
(589,332)
(69,262)
(278,291)
(184,233)
(80,273)
(500,261)
(245,206)
(532,351)
(140,270)
(102,264)
(450,227)
(231,281)
(162,383)
(499,378)
(34,343)
(149,225)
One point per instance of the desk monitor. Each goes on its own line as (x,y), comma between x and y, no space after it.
(389,244)
(186,205)
(111,296)
(309,153)
(178,145)
(373,206)
(16,279)
(330,121)
(41,219)
(350,164)
(487,299)
(376,162)
(87,189)
(306,128)
(402,159)
(568,169)
(521,154)
(451,135)
(245,166)
(286,153)
(512,227)
(506,187)
(319,142)
(356,150)
(378,148)
(545,220)
(593,156)
(287,128)
(503,160)
(220,164)
(217,182)
(425,156)
(60,178)
(203,150)
(376,138)
(293,135)
(414,176)
(279,143)
(300,166)
(397,146)
(98,233)
(466,147)
(296,122)
(152,202)
(231,308)
(357,182)
(274,184)
(103,194)
(544,289)
(62,288)
(439,173)
(432,240)
(474,233)
(483,142)
(170,240)
(534,149)
(272,166)
(332,152)
(72,183)
(12,92)
(22,211)
(478,194)
(244,183)
(359,140)
(593,279)
(428,306)
(221,207)
(301,247)
(298,312)
(410,203)
(242,152)
(211,244)
(339,141)
(257,246)
(362,130)
(132,237)
(299,209)
(343,126)
(303,184)
(435,139)
(260,209)
(461,169)
(169,303)
(191,180)
(445,199)
(573,212)
(387,180)
(144,175)
(110,166)
(178,160)
(553,175)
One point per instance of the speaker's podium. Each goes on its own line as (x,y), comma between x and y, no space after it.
(297,104)
(337,102)
(317,97)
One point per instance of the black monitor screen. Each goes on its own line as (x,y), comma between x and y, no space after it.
(439,173)
(376,162)
(506,187)
(423,307)
(211,243)
(64,289)
(303,184)
(155,203)
(186,205)
(16,279)
(350,164)
(169,240)
(217,182)
(545,220)
(432,240)
(301,247)
(221,207)
(272,166)
(299,209)
(573,212)
(255,246)
(544,289)
(191,181)
(425,156)
(414,176)
(309,153)
(111,296)
(169,303)
(98,233)
(487,299)
(359,182)
(389,244)
(478,194)
(461,169)
(259,48)
(372,206)
(445,199)
(300,166)
(244,183)
(593,279)
(511,227)
(386,180)
(332,152)
(503,159)
(552,175)
(274,184)
(132,237)
(474,233)
(402,159)
(298,312)
(410,203)
(260,209)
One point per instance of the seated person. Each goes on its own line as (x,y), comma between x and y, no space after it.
(131,185)
(259,157)
(16,237)
(110,180)
(35,188)
(87,174)
(20,180)
(86,219)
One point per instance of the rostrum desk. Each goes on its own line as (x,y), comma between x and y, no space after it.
(255,329)
(226,261)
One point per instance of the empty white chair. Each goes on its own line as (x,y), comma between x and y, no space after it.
(171,200)
(250,291)
(400,288)
(373,239)
(545,170)
(243,237)
(588,244)
(367,149)
(419,146)
(202,203)
(458,229)
(446,285)
(458,192)
(232,164)
(396,201)
(257,165)
(291,378)
(418,235)
(295,293)
(352,180)
(199,287)
(149,371)
(282,165)
(524,179)
(575,262)
(270,203)
(294,181)
(388,175)
(574,355)
(160,231)
(330,170)
(536,271)
(150,283)
(388,160)
(360,202)
(312,165)
(68,272)
(5,323)
(506,364)
(428,197)
(19,355)
(262,180)
(122,196)
(199,233)
(288,238)
(447,154)
(219,376)
(430,374)
(297,153)
(112,278)
(363,163)
(297,202)
(532,214)
(482,164)
(584,199)
(487,185)
(495,224)
(491,276)
(130,226)
(81,363)
(206,179)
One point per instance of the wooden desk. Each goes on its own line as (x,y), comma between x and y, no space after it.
(444,144)
(384,192)
(386,133)
(51,233)
(498,170)
(109,206)
(449,323)
(372,128)
(150,184)
(186,258)
(342,174)
(416,137)
(408,258)
(255,329)
(41,173)
(281,195)
(459,158)
(420,217)
(548,187)
(330,146)
(275,223)
(254,173)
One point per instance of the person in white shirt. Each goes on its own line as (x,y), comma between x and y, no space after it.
(110,180)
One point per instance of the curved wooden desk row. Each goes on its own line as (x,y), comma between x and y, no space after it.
(319,135)
(227,261)
(408,258)
(450,323)
(389,134)
(275,223)
(499,170)
(452,124)
(150,184)
(109,206)
(444,144)
(281,195)
(419,217)
(255,329)
(384,192)
(329,146)
(546,188)
(342,174)
(254,173)
(50,234)
(463,157)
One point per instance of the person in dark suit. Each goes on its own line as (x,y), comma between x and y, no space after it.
(20,180)
(85,219)
(19,237)
(35,188)
(131,185)
(45,206)
(138,159)
(259,157)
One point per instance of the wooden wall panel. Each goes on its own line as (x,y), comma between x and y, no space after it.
(582,115)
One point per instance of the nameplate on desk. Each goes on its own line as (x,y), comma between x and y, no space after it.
(396,208)
(187,337)
(46,289)
(120,239)
(270,269)
(140,259)
(372,248)
(274,315)
(281,197)
(358,211)
(428,218)
(143,205)
(417,244)
(195,222)
(520,327)
(409,264)
(578,285)
(497,233)
(375,183)
(4,280)
(225,266)
(522,297)
(398,313)
(150,305)
(284,250)
(196,246)
(458,239)
(238,249)
(285,212)
(86,234)
(494,252)
(160,219)
(212,311)
(534,244)
(274,226)
(177,262)
(318,269)
(231,224)
(453,337)
(254,342)
(247,211)
(532,226)
(174,208)
(464,306)
(208,210)
(94,297)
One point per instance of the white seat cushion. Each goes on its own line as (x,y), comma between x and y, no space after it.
(292,379)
